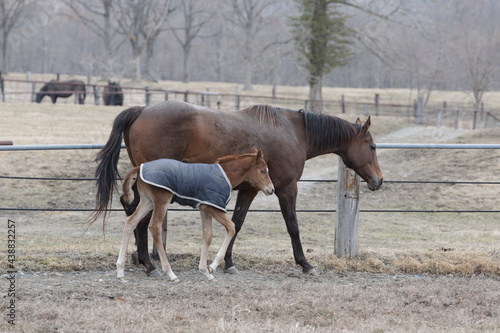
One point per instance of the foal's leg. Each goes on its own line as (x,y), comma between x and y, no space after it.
(220,216)
(163,238)
(142,210)
(155,226)
(206,222)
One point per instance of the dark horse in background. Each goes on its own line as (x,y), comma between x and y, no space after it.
(112,94)
(62,89)
(194,134)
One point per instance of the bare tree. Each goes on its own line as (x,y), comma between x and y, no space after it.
(195,16)
(11,13)
(96,16)
(475,34)
(141,21)
(249,15)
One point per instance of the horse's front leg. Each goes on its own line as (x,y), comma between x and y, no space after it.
(206,223)
(287,197)
(243,202)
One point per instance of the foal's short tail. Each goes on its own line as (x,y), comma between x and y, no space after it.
(128,193)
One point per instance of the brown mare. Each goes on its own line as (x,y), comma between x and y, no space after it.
(63,89)
(194,134)
(250,168)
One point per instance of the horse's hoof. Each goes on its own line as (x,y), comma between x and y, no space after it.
(135,259)
(154,273)
(176,280)
(211,270)
(211,278)
(231,270)
(312,272)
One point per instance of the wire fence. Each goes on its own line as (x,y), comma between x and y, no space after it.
(380,146)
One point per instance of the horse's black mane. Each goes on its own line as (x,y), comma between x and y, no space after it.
(324,131)
(328,131)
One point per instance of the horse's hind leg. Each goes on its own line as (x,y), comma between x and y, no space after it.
(132,221)
(159,212)
(206,222)
(230,232)
(141,234)
(163,238)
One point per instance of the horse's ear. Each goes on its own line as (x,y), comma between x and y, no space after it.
(254,150)
(366,126)
(358,121)
(260,155)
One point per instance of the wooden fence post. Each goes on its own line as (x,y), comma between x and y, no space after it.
(343,104)
(377,104)
(148,95)
(419,114)
(33,92)
(347,215)
(2,93)
(237,100)
(97,95)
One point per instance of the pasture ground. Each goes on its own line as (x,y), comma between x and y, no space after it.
(416,271)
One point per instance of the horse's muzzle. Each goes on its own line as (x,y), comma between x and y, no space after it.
(270,191)
(375,184)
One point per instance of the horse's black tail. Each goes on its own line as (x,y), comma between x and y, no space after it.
(106,172)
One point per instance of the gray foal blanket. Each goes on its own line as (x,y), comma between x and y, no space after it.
(191,184)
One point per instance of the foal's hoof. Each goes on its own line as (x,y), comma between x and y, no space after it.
(176,280)
(312,272)
(231,270)
(154,273)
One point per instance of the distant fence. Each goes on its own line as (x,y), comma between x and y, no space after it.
(433,116)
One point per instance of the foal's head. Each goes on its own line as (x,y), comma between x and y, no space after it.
(249,168)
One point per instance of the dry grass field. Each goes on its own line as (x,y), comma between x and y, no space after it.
(417,272)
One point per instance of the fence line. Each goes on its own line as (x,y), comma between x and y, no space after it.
(380,146)
(430,115)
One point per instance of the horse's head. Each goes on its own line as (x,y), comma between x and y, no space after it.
(39,97)
(258,175)
(361,156)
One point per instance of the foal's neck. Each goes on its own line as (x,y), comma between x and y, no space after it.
(236,171)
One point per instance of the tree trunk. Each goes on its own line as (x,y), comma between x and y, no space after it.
(187,51)
(4,53)
(108,65)
(315,94)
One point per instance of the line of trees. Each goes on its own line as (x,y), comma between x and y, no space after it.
(419,44)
